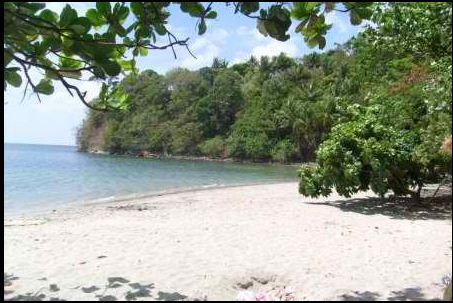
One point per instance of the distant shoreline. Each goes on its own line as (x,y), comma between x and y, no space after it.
(148,155)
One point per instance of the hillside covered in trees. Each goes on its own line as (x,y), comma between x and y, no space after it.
(276,109)
(373,112)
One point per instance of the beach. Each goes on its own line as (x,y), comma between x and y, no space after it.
(214,244)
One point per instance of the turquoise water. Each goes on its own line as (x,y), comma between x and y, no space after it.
(42,177)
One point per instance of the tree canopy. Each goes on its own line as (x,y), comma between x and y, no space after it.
(102,44)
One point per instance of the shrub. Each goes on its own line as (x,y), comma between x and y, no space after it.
(184,139)
(284,151)
(366,154)
(214,147)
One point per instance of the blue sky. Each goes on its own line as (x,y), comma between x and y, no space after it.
(232,37)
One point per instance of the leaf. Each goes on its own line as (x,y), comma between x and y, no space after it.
(131,27)
(51,74)
(355,18)
(301,25)
(143,51)
(33,7)
(13,78)
(330,6)
(299,11)
(364,13)
(68,63)
(322,42)
(211,15)
(95,17)
(68,16)
(49,15)
(67,43)
(261,28)
(137,9)
(160,29)
(128,65)
(202,28)
(85,22)
(195,9)
(7,58)
(123,13)
(249,7)
(111,68)
(104,8)
(119,29)
(78,29)
(311,6)
(45,87)
(128,41)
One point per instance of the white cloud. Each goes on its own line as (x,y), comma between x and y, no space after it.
(205,49)
(260,45)
(274,48)
(240,57)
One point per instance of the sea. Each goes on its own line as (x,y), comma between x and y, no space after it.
(49,177)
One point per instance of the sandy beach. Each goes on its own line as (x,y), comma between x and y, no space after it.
(213,244)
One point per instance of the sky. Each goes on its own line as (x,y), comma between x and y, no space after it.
(232,37)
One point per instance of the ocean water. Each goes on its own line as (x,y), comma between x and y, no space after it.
(44,177)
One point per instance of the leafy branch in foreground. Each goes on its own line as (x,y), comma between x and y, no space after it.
(104,43)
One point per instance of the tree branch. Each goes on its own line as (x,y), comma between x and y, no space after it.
(29,80)
(81,95)
(342,11)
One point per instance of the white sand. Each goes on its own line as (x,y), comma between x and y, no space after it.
(202,244)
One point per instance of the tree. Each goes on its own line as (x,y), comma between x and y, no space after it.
(101,46)
(392,140)
(217,110)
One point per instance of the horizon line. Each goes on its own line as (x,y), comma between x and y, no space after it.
(38,144)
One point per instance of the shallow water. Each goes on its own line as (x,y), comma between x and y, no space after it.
(39,177)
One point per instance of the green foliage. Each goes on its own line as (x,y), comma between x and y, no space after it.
(214,148)
(102,46)
(217,110)
(391,140)
(184,139)
(365,153)
(284,151)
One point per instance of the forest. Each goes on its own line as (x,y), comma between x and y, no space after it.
(372,113)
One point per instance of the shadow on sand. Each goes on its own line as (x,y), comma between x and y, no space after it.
(131,291)
(406,294)
(438,208)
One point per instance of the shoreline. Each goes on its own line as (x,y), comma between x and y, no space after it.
(110,201)
(215,243)
(148,155)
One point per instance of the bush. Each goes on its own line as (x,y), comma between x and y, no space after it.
(254,146)
(184,139)
(284,151)
(368,154)
(214,147)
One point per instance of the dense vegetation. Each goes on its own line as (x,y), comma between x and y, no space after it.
(376,110)
(391,139)
(271,108)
